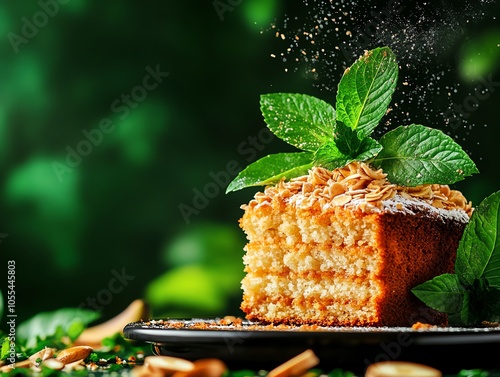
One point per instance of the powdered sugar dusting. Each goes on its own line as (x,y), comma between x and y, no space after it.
(398,204)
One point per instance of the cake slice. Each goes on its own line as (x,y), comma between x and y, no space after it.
(345,247)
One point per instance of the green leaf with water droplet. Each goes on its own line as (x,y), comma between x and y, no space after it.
(271,169)
(416,155)
(366,89)
(303,121)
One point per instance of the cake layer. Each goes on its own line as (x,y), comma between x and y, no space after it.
(311,225)
(311,286)
(304,311)
(306,257)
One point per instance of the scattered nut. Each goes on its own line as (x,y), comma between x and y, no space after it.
(20,364)
(401,369)
(142,371)
(296,366)
(205,368)
(93,336)
(168,364)
(72,354)
(53,364)
(43,354)
(75,365)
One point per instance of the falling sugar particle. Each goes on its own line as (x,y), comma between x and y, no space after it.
(325,37)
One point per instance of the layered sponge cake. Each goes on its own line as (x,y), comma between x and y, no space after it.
(345,247)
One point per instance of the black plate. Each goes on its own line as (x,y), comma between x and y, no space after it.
(248,345)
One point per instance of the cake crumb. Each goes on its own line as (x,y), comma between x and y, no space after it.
(422,326)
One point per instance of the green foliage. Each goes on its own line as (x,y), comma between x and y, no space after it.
(303,121)
(52,208)
(203,271)
(416,155)
(49,327)
(479,55)
(478,254)
(366,89)
(472,294)
(5,348)
(271,169)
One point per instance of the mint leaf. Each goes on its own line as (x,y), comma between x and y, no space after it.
(481,303)
(478,254)
(346,139)
(443,293)
(330,157)
(416,155)
(272,169)
(490,305)
(368,149)
(303,121)
(467,314)
(365,90)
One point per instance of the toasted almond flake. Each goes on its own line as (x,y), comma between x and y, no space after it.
(374,174)
(340,200)
(353,180)
(336,189)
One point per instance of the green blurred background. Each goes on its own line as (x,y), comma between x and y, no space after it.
(142,211)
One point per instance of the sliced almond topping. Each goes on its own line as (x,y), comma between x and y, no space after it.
(374,174)
(336,189)
(437,203)
(307,187)
(352,180)
(340,200)
(360,184)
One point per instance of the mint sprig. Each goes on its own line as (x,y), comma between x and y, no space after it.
(472,294)
(411,156)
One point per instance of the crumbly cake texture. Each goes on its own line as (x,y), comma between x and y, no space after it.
(345,247)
